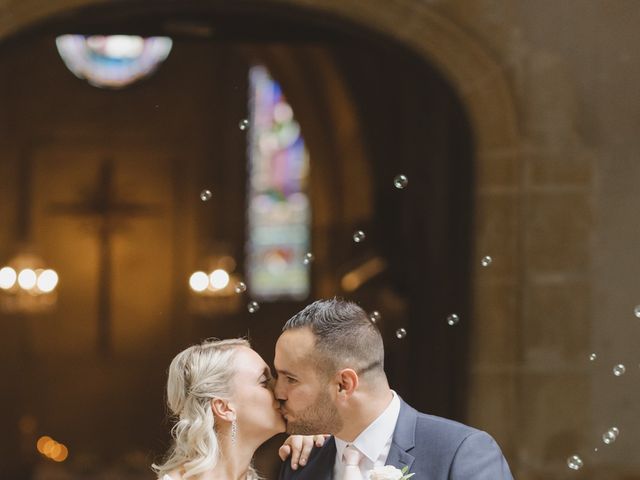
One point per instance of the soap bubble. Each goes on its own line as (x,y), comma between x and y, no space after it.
(400,182)
(359,236)
(610,435)
(253,307)
(205,195)
(401,333)
(486,261)
(574,462)
(619,370)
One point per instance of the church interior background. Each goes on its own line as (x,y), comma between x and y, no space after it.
(464,169)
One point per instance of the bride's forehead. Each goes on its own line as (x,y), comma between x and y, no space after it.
(247,357)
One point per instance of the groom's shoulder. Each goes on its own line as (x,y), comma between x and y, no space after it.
(441,425)
(428,425)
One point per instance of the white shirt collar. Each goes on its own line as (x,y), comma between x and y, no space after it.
(374,438)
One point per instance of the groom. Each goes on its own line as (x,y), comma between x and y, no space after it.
(331,379)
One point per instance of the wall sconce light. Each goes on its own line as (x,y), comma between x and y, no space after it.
(211,285)
(27,285)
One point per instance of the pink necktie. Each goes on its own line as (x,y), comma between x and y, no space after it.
(352,457)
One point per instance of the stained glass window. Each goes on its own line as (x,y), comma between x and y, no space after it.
(279,212)
(113,61)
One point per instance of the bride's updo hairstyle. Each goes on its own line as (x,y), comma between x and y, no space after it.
(196,376)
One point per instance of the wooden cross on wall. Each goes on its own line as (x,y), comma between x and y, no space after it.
(102,203)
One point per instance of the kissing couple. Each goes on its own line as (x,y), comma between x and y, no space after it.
(330,379)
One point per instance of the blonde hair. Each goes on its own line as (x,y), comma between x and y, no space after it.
(196,376)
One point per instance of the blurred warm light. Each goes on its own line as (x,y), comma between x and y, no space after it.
(199,281)
(56,449)
(47,280)
(214,281)
(48,446)
(62,456)
(27,279)
(8,277)
(51,449)
(27,285)
(27,424)
(219,279)
(42,441)
(354,279)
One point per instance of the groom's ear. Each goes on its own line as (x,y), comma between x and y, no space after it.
(347,380)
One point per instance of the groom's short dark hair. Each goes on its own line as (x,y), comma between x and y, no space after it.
(345,336)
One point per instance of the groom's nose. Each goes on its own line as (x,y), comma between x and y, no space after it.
(279,390)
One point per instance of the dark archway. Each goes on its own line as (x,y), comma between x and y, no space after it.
(422,232)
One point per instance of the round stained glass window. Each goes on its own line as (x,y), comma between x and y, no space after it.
(112,61)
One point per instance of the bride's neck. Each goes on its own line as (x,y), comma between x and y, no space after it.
(235,459)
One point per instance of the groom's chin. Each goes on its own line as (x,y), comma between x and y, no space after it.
(294,428)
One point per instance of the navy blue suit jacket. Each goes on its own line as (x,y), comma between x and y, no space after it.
(433,448)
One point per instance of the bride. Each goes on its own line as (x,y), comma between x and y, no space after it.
(221,394)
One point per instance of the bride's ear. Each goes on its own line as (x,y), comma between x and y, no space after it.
(222,410)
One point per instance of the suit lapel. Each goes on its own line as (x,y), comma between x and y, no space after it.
(403,438)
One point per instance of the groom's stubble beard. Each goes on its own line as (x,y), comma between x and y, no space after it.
(320,417)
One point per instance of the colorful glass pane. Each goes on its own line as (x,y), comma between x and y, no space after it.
(113,61)
(279,214)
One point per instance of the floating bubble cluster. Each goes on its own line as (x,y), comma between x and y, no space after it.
(400,182)
(486,261)
(359,236)
(592,357)
(375,316)
(401,333)
(205,195)
(619,370)
(240,287)
(453,319)
(610,435)
(244,124)
(308,258)
(253,307)
(574,462)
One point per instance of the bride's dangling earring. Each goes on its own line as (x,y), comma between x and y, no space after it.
(234,431)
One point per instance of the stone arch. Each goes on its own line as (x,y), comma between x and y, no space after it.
(472,71)
(486,94)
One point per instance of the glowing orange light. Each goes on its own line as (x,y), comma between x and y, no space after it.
(62,456)
(42,441)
